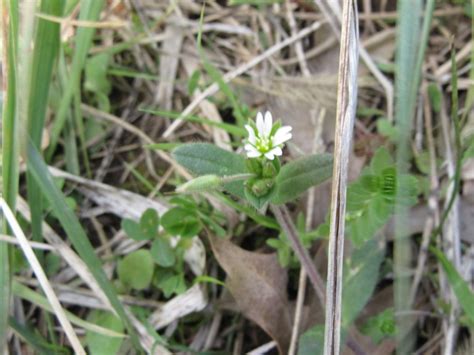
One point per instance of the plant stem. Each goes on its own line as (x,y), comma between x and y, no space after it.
(283,217)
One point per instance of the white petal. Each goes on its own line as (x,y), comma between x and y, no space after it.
(267,127)
(282,135)
(253,153)
(269,155)
(252,139)
(276,151)
(260,124)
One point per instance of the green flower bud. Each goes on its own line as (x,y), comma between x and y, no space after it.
(262,187)
(201,183)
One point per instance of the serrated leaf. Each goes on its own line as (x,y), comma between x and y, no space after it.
(204,159)
(179,222)
(301,174)
(162,252)
(149,222)
(136,269)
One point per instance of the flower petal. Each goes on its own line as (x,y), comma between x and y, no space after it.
(268,124)
(269,155)
(276,151)
(253,154)
(260,125)
(251,138)
(282,135)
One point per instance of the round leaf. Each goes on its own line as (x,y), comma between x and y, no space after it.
(99,343)
(179,222)
(149,223)
(162,252)
(133,230)
(136,269)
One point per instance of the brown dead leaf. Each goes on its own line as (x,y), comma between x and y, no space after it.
(258,284)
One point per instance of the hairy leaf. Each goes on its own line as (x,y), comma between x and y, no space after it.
(204,159)
(301,174)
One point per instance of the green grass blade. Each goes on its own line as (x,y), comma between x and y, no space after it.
(34,339)
(28,294)
(232,129)
(408,31)
(75,233)
(10,153)
(458,284)
(44,57)
(90,11)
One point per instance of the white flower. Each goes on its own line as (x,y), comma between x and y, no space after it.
(265,140)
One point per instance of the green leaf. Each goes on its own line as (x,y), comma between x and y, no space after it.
(361,273)
(133,230)
(169,282)
(312,341)
(385,128)
(136,269)
(380,326)
(101,344)
(149,222)
(193,81)
(299,175)
(435,97)
(204,159)
(162,252)
(458,284)
(179,222)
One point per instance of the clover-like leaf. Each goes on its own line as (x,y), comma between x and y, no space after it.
(136,269)
(180,222)
(162,252)
(149,222)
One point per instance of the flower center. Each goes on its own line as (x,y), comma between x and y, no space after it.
(263,144)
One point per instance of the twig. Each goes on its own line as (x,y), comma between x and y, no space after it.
(346,105)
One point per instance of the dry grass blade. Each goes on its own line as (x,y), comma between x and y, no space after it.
(346,106)
(42,278)
(214,88)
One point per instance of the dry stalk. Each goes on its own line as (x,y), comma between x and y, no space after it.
(346,105)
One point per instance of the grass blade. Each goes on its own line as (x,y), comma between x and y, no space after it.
(90,11)
(345,116)
(409,15)
(44,55)
(42,278)
(10,151)
(458,284)
(75,233)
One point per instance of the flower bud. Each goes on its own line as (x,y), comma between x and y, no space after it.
(262,187)
(201,183)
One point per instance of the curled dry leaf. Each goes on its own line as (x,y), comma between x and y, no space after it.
(258,284)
